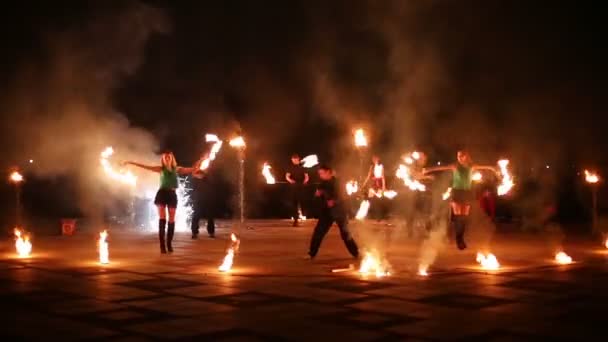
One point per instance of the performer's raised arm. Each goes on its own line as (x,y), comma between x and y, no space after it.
(145,167)
(437,169)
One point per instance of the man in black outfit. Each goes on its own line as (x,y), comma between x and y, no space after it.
(204,202)
(297,178)
(333,209)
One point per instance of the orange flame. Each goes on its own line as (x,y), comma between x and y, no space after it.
(390,194)
(563,258)
(310,161)
(373,265)
(487,261)
(352,187)
(215,149)
(606,243)
(477,177)
(507,181)
(422,270)
(237,142)
(122,176)
(229,258)
(267,174)
(16,177)
(363,209)
(591,177)
(360,139)
(22,244)
(404,173)
(104,254)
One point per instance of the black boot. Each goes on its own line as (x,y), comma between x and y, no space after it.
(460,227)
(161,235)
(170,232)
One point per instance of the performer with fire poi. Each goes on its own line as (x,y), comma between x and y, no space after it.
(333,209)
(377,185)
(461,193)
(297,178)
(166,198)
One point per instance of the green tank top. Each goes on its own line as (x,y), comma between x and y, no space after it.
(168,179)
(461,178)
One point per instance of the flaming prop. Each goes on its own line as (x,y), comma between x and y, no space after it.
(104,254)
(390,194)
(22,244)
(267,175)
(507,181)
(404,173)
(16,177)
(237,142)
(363,209)
(487,261)
(122,176)
(229,258)
(563,258)
(352,187)
(477,177)
(447,194)
(591,177)
(360,139)
(215,149)
(310,161)
(373,265)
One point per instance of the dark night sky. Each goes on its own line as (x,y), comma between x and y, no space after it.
(505,74)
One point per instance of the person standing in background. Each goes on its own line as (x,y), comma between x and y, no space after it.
(297,177)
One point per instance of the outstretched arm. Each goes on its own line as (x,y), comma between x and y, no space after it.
(145,167)
(437,168)
(487,168)
(185,170)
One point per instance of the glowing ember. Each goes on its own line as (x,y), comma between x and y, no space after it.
(447,194)
(563,258)
(363,209)
(422,271)
(229,258)
(237,142)
(416,155)
(373,265)
(477,177)
(104,254)
(360,139)
(507,181)
(23,244)
(488,261)
(122,176)
(267,175)
(16,177)
(404,173)
(352,187)
(310,161)
(591,177)
(378,171)
(390,194)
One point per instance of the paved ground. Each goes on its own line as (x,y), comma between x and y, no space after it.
(272,293)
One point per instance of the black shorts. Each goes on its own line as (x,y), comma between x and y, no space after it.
(166,197)
(462,196)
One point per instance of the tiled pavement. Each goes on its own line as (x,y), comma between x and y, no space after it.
(273,294)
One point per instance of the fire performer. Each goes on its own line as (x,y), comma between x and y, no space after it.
(376,175)
(332,210)
(204,184)
(166,198)
(461,194)
(297,178)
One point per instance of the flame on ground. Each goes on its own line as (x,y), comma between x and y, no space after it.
(447,194)
(267,174)
(122,176)
(422,270)
(352,187)
(237,142)
(363,209)
(22,244)
(487,261)
(16,177)
(310,161)
(591,177)
(104,254)
(229,258)
(373,265)
(563,258)
(360,139)
(507,181)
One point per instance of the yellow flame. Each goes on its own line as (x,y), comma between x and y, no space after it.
(211,138)
(606,243)
(507,181)
(477,177)
(390,194)
(416,155)
(352,187)
(229,258)
(487,261)
(237,142)
(373,265)
(360,139)
(122,176)
(16,177)
(447,194)
(267,174)
(422,270)
(215,149)
(310,161)
(404,173)
(22,244)
(363,209)
(591,177)
(563,258)
(104,254)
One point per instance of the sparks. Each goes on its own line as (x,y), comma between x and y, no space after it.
(447,194)
(267,174)
(591,177)
(507,181)
(352,187)
(237,142)
(229,258)
(310,161)
(363,209)
(563,258)
(183,212)
(22,244)
(487,261)
(360,139)
(16,177)
(104,254)
(122,176)
(373,265)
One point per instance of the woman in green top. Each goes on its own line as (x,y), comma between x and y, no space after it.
(462,194)
(166,198)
